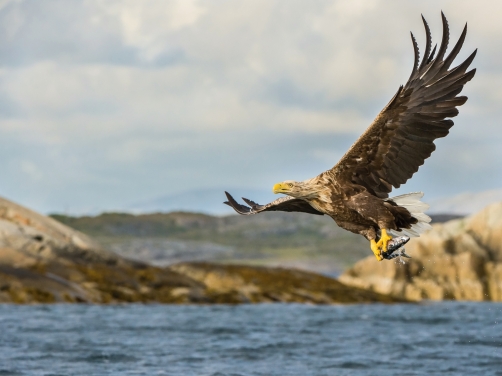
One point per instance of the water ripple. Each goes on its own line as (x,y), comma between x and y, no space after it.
(268,339)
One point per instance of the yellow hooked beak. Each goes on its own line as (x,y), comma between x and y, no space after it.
(281,188)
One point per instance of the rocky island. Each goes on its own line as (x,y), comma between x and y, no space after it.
(457,260)
(45,261)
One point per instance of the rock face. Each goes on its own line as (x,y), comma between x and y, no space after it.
(457,260)
(44,261)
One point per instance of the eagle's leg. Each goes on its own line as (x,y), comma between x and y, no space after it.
(376,250)
(384,239)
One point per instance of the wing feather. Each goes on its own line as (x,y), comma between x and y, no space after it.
(402,136)
(286,204)
(428,44)
(417,55)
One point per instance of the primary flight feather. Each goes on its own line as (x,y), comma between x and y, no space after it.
(355,192)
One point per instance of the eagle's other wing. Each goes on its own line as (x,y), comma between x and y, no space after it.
(402,135)
(287,204)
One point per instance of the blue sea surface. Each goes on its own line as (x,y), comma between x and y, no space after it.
(266,339)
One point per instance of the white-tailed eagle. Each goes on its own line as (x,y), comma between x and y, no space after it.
(355,192)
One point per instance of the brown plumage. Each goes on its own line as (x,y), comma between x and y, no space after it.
(355,192)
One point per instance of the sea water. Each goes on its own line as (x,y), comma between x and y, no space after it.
(265,339)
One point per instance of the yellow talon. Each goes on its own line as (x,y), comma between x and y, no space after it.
(384,239)
(376,250)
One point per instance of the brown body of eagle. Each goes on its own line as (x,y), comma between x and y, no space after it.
(355,192)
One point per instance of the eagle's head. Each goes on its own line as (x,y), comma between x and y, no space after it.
(298,189)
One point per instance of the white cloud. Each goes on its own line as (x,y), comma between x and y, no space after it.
(144,98)
(148,24)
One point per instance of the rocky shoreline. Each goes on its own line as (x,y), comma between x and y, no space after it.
(44,261)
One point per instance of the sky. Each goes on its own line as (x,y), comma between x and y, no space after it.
(104,104)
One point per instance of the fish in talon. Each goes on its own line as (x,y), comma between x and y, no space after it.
(396,243)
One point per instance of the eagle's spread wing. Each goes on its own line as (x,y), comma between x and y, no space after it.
(287,204)
(402,136)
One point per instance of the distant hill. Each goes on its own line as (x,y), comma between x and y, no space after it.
(275,239)
(209,201)
(441,218)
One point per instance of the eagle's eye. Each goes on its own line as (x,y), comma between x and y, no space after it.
(290,185)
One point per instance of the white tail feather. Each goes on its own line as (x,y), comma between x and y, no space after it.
(421,217)
(412,203)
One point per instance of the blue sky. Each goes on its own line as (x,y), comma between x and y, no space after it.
(107,103)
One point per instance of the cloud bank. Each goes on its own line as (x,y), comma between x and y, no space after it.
(103,104)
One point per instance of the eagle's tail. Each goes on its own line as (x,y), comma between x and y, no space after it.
(411,202)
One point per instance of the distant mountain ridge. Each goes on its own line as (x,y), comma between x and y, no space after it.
(208,201)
